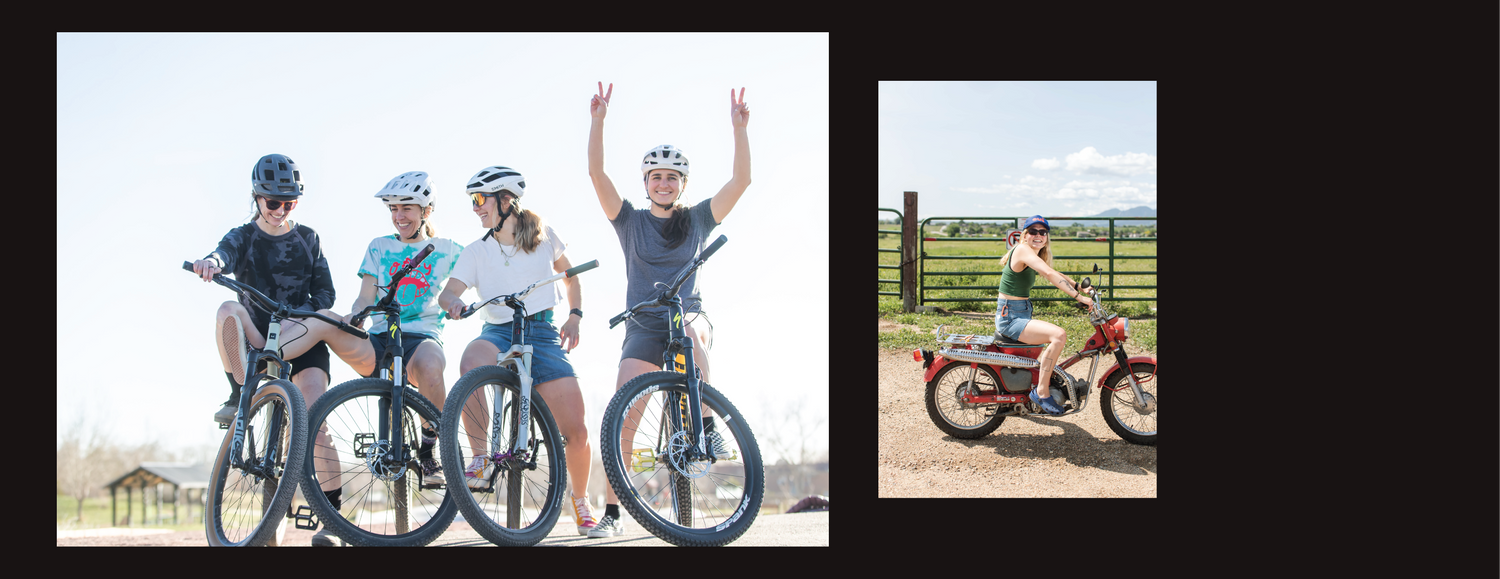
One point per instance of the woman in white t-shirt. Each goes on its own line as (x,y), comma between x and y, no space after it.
(517,250)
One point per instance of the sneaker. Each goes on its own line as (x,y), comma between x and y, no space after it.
(226,414)
(1047,404)
(607,527)
(432,474)
(716,444)
(326,538)
(582,515)
(477,474)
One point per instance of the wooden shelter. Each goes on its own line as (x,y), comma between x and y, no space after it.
(155,475)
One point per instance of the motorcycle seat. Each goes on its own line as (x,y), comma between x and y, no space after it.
(1009,343)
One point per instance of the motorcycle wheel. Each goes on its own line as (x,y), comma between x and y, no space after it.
(1119,405)
(955,417)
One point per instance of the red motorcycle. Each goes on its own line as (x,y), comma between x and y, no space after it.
(977,381)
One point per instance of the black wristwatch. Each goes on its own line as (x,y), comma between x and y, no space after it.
(576,311)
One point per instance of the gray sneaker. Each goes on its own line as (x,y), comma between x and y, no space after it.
(607,527)
(326,538)
(226,414)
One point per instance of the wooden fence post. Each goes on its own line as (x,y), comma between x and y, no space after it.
(909,233)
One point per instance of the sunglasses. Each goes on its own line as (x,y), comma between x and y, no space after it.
(478,198)
(1037,231)
(273,204)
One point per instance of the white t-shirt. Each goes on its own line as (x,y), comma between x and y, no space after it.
(483,268)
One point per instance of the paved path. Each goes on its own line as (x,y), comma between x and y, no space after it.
(801,529)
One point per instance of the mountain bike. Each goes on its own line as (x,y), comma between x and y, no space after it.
(690,480)
(253,481)
(523,458)
(392,501)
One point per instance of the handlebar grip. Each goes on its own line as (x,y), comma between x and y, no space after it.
(422,255)
(712,248)
(361,334)
(582,268)
(187,265)
(615,321)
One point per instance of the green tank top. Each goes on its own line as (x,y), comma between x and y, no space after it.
(1017,284)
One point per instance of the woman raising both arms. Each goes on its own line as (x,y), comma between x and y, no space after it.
(658,242)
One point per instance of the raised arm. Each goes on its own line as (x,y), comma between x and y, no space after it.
(609,199)
(724,200)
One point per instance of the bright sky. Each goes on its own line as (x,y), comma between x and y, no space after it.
(1017,148)
(161,129)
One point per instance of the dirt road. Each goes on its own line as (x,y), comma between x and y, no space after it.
(1076,456)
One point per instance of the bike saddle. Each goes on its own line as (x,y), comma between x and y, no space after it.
(1002,340)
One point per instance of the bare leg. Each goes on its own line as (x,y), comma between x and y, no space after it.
(565,400)
(225,335)
(476,413)
(1038,332)
(313,383)
(425,369)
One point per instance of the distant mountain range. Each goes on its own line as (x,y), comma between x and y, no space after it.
(1140,211)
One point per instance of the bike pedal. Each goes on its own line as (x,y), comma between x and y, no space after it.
(645,459)
(312,523)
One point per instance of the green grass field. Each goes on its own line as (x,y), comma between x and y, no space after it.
(96,513)
(1141,313)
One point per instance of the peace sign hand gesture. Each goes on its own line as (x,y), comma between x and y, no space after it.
(599,105)
(739,112)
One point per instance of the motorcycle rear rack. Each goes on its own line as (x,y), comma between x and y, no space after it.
(982,357)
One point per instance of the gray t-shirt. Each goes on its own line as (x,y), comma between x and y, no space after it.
(647,259)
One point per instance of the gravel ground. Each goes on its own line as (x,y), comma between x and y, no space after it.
(1076,456)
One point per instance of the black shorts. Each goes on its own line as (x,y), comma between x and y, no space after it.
(646,336)
(315,357)
(409,343)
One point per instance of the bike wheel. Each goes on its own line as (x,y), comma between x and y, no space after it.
(954,416)
(248,502)
(1118,403)
(721,498)
(383,505)
(532,486)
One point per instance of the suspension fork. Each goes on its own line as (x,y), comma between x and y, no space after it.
(1140,396)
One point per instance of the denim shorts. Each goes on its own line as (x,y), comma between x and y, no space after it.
(1011,318)
(548,360)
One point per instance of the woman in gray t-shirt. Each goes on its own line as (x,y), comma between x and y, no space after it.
(658,242)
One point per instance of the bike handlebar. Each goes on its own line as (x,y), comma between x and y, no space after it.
(275,306)
(668,293)
(521,295)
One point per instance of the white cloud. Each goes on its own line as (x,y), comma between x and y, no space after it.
(1046,163)
(1030,179)
(1007,176)
(1090,161)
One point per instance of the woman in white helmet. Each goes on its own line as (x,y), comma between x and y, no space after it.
(658,242)
(517,249)
(410,200)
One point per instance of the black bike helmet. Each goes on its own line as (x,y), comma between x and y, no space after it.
(276,176)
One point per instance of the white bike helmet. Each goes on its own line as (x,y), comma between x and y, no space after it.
(665,157)
(414,187)
(494,179)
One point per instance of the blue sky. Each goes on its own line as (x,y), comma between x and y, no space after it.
(1017,148)
(161,129)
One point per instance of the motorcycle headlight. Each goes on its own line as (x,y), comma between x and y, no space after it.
(1124,328)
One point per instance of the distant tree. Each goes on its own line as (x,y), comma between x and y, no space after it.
(952,230)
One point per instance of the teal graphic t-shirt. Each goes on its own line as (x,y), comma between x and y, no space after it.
(418,292)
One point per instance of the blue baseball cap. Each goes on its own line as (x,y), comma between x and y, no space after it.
(1036,219)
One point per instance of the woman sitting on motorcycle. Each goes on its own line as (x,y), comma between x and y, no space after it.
(1013,316)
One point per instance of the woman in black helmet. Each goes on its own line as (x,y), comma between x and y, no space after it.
(658,242)
(282,259)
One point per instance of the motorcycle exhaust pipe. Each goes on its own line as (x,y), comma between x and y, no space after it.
(995,358)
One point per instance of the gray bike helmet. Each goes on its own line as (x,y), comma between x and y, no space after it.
(276,176)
